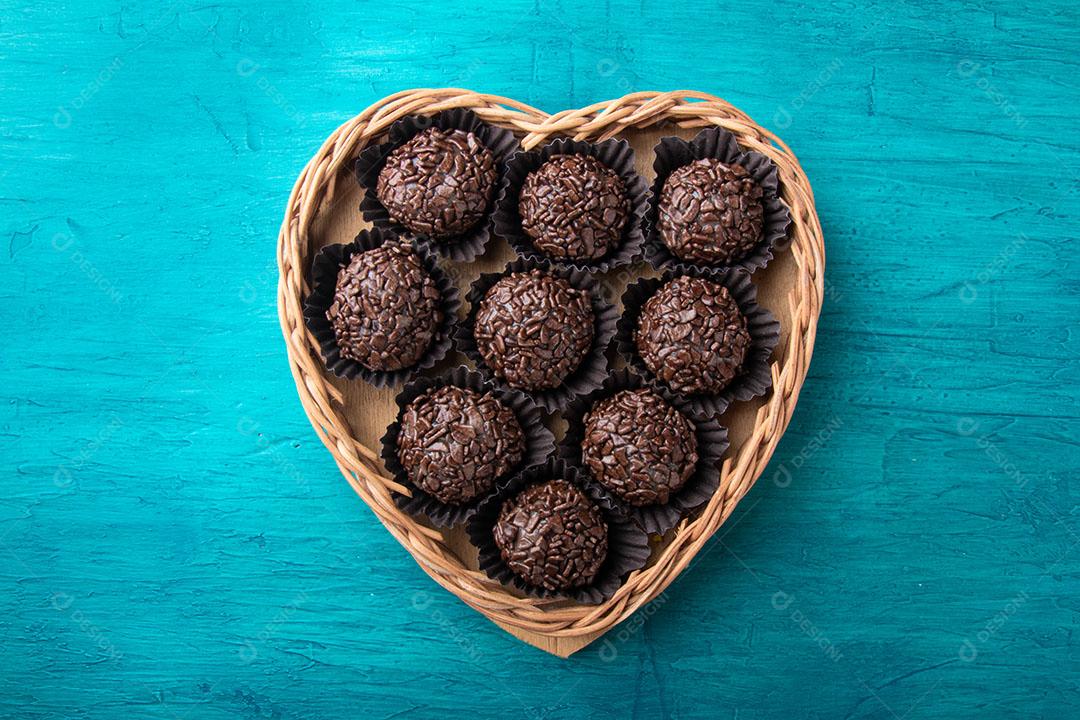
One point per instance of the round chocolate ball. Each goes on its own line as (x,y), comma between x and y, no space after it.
(534,329)
(711,212)
(439,183)
(455,443)
(386,308)
(639,447)
(692,335)
(552,536)
(574,207)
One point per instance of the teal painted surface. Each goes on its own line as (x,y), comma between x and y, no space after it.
(176,543)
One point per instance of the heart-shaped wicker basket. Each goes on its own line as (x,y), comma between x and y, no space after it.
(349,416)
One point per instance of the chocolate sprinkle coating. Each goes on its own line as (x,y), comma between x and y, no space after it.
(711,212)
(639,447)
(455,443)
(574,207)
(439,183)
(386,308)
(534,329)
(552,536)
(692,335)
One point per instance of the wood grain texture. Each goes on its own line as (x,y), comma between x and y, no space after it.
(176,542)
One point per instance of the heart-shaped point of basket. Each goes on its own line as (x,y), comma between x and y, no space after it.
(351,416)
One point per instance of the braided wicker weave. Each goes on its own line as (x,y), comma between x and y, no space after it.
(797,284)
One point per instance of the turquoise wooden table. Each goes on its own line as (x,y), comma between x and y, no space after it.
(176,542)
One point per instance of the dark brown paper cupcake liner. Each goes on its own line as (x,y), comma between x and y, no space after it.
(539,443)
(370,162)
(712,442)
(628,545)
(616,155)
(324,271)
(672,153)
(588,376)
(756,376)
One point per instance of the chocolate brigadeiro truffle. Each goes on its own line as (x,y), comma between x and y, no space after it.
(639,447)
(386,308)
(647,447)
(440,183)
(552,536)
(692,335)
(548,531)
(711,212)
(454,443)
(577,203)
(574,207)
(715,204)
(456,438)
(533,329)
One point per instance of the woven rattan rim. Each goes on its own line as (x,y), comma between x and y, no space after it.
(361,465)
